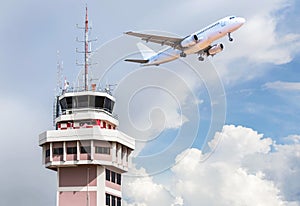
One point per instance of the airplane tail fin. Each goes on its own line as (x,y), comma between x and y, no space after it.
(145,51)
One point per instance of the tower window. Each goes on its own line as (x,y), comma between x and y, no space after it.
(107,202)
(91,101)
(118,179)
(57,151)
(108,104)
(71,150)
(99,102)
(102,150)
(107,174)
(85,150)
(47,153)
(66,103)
(118,201)
(82,101)
(113,177)
(113,201)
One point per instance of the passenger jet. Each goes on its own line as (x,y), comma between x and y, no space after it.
(200,42)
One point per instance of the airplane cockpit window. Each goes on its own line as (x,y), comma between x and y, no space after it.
(232,17)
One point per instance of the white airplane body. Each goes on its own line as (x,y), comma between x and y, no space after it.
(197,43)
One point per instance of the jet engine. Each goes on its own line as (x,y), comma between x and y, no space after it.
(189,41)
(215,49)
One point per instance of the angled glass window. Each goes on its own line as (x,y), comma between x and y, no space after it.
(99,102)
(82,101)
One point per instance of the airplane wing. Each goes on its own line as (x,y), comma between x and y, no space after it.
(163,40)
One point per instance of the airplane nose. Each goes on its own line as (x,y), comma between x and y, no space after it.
(241,20)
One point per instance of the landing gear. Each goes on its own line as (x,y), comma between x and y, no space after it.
(182,54)
(201,58)
(229,36)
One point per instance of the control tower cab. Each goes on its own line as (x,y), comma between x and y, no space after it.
(86,109)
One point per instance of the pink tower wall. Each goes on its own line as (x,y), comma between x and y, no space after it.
(77,199)
(77,176)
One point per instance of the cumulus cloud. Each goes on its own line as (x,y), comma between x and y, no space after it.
(144,191)
(293,139)
(245,169)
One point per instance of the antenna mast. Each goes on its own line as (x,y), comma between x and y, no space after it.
(59,75)
(86,50)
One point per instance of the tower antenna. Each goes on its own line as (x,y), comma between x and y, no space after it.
(87,50)
(59,74)
(58,89)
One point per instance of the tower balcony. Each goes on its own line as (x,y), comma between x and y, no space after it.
(65,148)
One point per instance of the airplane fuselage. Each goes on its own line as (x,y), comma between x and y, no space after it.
(203,40)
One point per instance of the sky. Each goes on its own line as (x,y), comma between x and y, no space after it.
(220,132)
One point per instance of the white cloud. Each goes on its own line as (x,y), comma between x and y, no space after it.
(143,191)
(283,86)
(243,170)
(282,167)
(293,139)
(241,141)
(154,101)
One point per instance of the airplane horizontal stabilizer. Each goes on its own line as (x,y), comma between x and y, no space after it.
(146,52)
(141,61)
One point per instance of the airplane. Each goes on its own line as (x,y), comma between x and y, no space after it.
(199,42)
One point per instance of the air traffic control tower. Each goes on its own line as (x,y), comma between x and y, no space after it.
(86,149)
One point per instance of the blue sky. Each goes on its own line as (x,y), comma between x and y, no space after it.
(254,83)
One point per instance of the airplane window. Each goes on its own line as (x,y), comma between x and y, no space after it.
(232,17)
